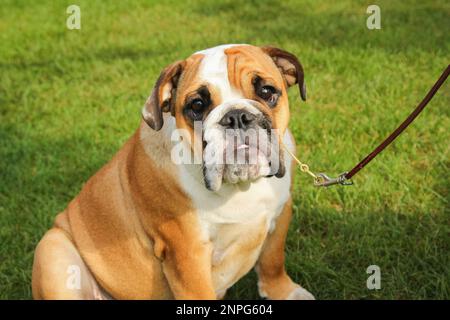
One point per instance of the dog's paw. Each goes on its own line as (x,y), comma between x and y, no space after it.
(300,294)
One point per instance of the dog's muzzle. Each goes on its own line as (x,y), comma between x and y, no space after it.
(240,145)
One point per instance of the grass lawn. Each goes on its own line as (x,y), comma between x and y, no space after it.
(69,100)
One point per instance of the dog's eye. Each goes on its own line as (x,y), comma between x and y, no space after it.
(269,94)
(195,109)
(197,105)
(266,92)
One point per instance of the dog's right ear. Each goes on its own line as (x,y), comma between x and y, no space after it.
(162,97)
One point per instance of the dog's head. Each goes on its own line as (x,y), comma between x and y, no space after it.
(237,96)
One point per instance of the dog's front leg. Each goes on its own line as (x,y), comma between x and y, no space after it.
(186,261)
(274,282)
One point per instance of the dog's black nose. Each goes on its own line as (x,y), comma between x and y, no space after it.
(237,119)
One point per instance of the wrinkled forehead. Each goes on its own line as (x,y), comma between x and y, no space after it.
(229,69)
(214,71)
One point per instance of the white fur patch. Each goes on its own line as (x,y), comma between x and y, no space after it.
(247,210)
(300,294)
(214,70)
(215,137)
(218,112)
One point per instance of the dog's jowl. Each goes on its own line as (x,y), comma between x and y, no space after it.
(147,226)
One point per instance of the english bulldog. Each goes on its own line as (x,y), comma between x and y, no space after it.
(159,223)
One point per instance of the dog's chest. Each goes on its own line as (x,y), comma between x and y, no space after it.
(236,223)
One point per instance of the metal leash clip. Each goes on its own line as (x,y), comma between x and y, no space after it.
(323,180)
(320,179)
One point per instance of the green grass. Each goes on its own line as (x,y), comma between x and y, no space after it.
(69,99)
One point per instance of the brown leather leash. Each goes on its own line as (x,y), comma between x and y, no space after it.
(322,180)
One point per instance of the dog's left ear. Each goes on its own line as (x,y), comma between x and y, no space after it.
(162,97)
(289,66)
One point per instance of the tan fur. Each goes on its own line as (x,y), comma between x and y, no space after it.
(135,234)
